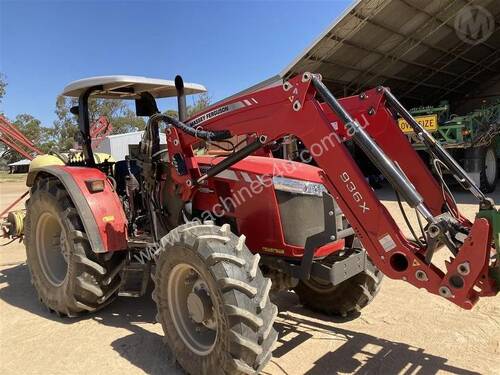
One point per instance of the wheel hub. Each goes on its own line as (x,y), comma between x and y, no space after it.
(52,248)
(192,308)
(199,308)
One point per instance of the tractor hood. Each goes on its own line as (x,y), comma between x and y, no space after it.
(258,165)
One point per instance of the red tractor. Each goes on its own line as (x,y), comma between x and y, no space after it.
(219,233)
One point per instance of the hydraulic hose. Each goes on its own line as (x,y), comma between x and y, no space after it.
(205,135)
(437,150)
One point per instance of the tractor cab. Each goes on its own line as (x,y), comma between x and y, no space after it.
(144,91)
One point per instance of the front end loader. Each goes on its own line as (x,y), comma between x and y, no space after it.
(218,232)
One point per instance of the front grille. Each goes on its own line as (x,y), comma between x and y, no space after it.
(301,216)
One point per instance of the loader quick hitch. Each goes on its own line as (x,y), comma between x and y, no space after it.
(487,208)
(493,217)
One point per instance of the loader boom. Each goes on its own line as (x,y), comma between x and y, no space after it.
(295,108)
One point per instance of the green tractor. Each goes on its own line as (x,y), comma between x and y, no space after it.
(473,139)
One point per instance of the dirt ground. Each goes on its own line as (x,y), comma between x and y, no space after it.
(404,330)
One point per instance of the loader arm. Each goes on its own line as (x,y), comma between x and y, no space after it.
(369,119)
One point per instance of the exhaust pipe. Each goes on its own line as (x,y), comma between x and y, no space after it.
(181,98)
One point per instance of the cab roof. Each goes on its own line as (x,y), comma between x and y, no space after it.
(129,87)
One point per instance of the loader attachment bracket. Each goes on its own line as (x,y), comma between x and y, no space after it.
(348,267)
(319,239)
(493,217)
(468,267)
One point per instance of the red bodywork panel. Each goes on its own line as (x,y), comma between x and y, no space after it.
(278,111)
(101,212)
(259,212)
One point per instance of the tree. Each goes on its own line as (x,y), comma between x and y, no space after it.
(118,113)
(171,113)
(3,86)
(41,136)
(199,104)
(202,101)
(66,124)
(124,120)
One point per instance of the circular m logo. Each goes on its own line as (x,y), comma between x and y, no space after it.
(474,24)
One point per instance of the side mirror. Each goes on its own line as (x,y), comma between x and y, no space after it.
(75,110)
(146,105)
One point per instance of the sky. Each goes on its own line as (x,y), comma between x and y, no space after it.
(225,45)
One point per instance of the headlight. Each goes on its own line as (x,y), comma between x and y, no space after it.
(298,186)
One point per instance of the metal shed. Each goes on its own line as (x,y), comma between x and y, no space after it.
(20,166)
(424,50)
(117,145)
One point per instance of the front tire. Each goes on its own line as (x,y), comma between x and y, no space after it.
(68,276)
(213,302)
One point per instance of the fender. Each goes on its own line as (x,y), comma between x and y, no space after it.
(101,212)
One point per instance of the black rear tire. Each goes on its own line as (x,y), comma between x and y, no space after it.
(68,276)
(242,315)
(485,160)
(343,300)
(489,169)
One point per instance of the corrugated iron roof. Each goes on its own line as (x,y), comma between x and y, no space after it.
(418,48)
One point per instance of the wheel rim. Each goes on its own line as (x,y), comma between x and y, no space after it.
(322,286)
(490,166)
(51,246)
(319,286)
(192,309)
